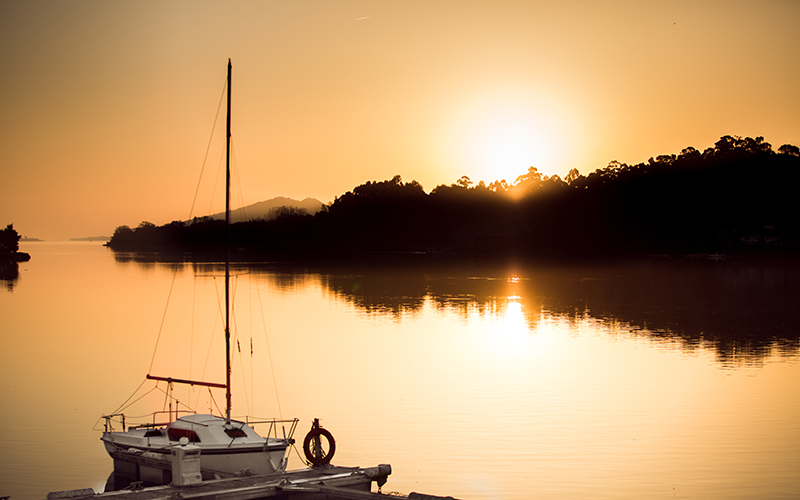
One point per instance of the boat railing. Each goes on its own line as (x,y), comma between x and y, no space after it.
(119,419)
(278,429)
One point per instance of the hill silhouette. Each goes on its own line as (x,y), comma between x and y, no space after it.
(735,197)
(271,208)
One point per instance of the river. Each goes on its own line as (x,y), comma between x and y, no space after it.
(647,379)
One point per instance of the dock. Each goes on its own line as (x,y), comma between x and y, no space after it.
(315,483)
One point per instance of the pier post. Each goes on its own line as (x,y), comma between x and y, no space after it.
(186,464)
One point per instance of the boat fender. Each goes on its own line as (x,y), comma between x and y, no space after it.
(309,453)
(154,455)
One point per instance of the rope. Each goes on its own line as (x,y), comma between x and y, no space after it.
(302,459)
(235,340)
(269,352)
(166,395)
(213,127)
(238,183)
(250,318)
(191,330)
(163,318)
(169,396)
(210,345)
(244,379)
(122,406)
(219,302)
(220,170)
(211,395)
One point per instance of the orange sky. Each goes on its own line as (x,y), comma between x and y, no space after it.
(107,106)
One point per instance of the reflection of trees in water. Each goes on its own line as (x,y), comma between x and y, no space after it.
(280,277)
(390,292)
(742,310)
(149,261)
(9,274)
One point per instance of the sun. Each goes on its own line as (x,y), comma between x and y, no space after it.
(506,149)
(500,138)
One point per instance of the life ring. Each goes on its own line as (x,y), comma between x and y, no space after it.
(309,453)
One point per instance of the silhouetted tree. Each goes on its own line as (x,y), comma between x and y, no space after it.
(572,176)
(531,176)
(9,241)
(500,186)
(463,182)
(122,233)
(690,154)
(285,212)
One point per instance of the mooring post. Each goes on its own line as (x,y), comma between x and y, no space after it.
(317,441)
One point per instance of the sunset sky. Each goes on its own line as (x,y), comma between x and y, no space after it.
(107,106)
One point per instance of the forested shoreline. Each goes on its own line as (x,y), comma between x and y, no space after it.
(737,197)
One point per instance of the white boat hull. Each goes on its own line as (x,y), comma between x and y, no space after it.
(145,454)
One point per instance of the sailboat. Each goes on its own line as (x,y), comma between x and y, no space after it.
(226,446)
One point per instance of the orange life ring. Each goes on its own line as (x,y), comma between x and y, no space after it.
(309,453)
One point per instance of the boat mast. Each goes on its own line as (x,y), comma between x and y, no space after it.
(228,257)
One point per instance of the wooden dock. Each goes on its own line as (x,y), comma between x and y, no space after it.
(316,483)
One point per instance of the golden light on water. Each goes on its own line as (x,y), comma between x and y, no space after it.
(505,334)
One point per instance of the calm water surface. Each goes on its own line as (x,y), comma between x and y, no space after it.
(644,380)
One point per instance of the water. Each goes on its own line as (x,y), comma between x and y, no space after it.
(641,380)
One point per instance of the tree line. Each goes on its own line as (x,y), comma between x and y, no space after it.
(736,197)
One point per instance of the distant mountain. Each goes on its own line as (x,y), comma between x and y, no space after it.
(91,238)
(261,210)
